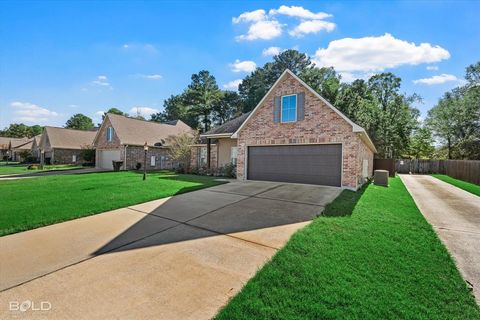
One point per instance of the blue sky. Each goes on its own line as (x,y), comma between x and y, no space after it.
(60,58)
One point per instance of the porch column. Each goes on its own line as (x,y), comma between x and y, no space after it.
(209,147)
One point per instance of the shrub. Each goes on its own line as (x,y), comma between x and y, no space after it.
(88,154)
(138,166)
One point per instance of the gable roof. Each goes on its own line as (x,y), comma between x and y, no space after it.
(228,128)
(63,138)
(4,143)
(25,146)
(132,131)
(355,127)
(10,143)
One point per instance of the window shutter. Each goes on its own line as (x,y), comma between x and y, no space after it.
(276,109)
(300,106)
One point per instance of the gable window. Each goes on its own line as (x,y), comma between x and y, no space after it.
(109,134)
(233,155)
(289,108)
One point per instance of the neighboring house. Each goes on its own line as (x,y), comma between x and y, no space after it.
(36,147)
(64,146)
(122,139)
(4,147)
(292,135)
(8,145)
(20,152)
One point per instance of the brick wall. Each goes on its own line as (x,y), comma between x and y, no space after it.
(136,154)
(321,125)
(101,142)
(195,156)
(65,156)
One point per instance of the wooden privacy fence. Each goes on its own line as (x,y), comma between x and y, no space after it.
(467,170)
(385,164)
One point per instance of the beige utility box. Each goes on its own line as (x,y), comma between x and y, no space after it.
(380,178)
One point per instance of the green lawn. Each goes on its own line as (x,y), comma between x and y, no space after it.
(373,256)
(17,169)
(31,203)
(467,186)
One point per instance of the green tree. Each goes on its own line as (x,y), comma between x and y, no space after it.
(325,81)
(255,86)
(395,117)
(201,96)
(455,119)
(421,144)
(80,122)
(228,107)
(175,108)
(20,130)
(358,103)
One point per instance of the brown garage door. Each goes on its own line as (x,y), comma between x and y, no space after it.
(312,164)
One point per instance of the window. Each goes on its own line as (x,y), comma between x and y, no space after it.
(203,156)
(74,158)
(289,108)
(109,134)
(153,161)
(233,155)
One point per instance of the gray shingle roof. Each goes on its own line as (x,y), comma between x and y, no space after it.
(68,138)
(132,131)
(228,127)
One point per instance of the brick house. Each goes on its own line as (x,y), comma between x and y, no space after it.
(8,147)
(122,139)
(64,146)
(292,135)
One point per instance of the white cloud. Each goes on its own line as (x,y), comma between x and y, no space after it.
(264,26)
(232,85)
(243,66)
(143,111)
(101,81)
(264,30)
(149,76)
(436,79)
(271,51)
(432,68)
(377,53)
(32,113)
(140,47)
(311,26)
(299,12)
(250,16)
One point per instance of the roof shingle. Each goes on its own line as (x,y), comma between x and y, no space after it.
(132,131)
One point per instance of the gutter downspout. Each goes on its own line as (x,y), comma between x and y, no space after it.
(125,158)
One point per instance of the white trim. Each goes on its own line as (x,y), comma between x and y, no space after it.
(355,127)
(216,135)
(245,176)
(281,107)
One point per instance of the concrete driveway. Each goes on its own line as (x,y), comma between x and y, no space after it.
(175,258)
(455,216)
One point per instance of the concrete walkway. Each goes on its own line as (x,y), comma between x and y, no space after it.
(176,258)
(455,216)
